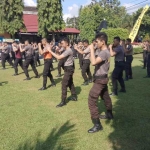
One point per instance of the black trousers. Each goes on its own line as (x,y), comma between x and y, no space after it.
(36,59)
(148,64)
(117,75)
(144,59)
(86,73)
(26,65)
(128,66)
(80,56)
(67,81)
(6,58)
(20,62)
(13,55)
(60,65)
(47,72)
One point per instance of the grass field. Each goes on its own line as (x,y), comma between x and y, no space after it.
(29,119)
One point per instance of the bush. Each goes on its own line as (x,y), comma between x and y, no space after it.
(112,32)
(137,50)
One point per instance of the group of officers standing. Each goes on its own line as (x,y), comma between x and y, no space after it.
(97,54)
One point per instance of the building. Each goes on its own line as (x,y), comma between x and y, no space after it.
(30,18)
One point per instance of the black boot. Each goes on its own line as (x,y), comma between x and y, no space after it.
(108,115)
(126,79)
(90,80)
(85,83)
(130,77)
(123,90)
(62,103)
(37,76)
(42,89)
(97,126)
(28,78)
(53,84)
(15,74)
(73,98)
(115,93)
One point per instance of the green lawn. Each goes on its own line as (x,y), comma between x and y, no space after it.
(29,119)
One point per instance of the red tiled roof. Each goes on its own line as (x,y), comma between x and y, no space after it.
(31,23)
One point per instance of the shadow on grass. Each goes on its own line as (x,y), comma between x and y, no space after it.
(63,138)
(131,124)
(3,83)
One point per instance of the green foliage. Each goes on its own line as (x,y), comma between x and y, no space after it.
(112,32)
(86,23)
(147,37)
(49,16)
(92,15)
(11,16)
(73,22)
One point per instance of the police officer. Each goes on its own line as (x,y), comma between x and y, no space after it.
(128,49)
(80,56)
(5,55)
(29,59)
(67,80)
(117,51)
(47,63)
(145,47)
(86,62)
(148,61)
(102,64)
(59,51)
(36,51)
(18,58)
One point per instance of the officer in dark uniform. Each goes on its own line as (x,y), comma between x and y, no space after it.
(47,63)
(5,55)
(117,51)
(145,47)
(29,55)
(67,80)
(86,62)
(102,64)
(59,51)
(148,61)
(80,56)
(18,58)
(36,51)
(128,49)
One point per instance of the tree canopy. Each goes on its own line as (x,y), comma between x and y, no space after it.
(11,16)
(49,16)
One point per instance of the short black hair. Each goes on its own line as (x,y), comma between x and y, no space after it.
(117,38)
(86,41)
(102,36)
(27,41)
(79,41)
(129,40)
(66,40)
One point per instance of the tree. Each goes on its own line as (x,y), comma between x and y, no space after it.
(112,32)
(86,23)
(50,17)
(73,22)
(12,16)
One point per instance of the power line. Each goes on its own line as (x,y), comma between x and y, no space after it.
(136,4)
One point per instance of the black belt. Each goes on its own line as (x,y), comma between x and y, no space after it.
(101,76)
(68,67)
(119,61)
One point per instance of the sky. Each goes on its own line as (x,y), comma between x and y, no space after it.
(71,7)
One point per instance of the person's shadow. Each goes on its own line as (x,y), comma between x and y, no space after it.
(63,138)
(3,83)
